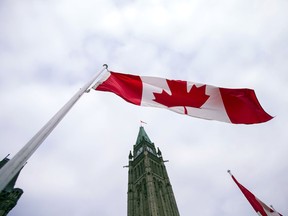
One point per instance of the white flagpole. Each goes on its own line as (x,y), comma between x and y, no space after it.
(13,166)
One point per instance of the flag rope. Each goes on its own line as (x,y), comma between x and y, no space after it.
(13,166)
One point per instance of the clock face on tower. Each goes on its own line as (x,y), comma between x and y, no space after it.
(139,151)
(150,150)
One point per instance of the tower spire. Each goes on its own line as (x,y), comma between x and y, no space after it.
(142,135)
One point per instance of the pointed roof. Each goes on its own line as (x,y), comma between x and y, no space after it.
(142,135)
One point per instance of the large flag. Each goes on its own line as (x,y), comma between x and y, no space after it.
(238,106)
(261,208)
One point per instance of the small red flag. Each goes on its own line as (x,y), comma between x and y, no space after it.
(238,106)
(261,208)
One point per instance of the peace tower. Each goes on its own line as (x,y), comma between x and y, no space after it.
(149,189)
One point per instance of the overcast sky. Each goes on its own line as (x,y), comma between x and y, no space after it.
(49,49)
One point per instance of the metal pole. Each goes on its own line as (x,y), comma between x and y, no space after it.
(12,167)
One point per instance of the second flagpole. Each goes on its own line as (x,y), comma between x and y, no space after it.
(13,166)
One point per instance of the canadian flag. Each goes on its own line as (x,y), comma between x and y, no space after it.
(238,106)
(261,208)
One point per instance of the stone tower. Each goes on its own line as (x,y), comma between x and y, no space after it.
(10,195)
(149,189)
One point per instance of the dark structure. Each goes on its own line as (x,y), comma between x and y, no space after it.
(10,195)
(149,189)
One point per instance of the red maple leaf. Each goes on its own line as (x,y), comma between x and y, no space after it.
(196,97)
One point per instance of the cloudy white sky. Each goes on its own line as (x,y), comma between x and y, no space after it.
(49,49)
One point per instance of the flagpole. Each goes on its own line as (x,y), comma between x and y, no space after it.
(13,166)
